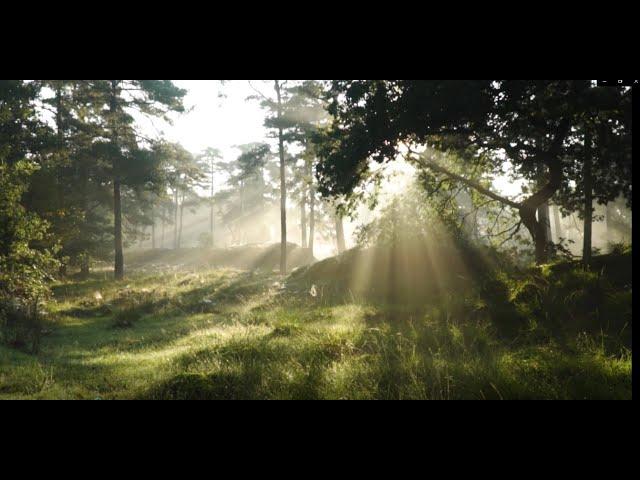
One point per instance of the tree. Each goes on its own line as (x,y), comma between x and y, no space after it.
(210,162)
(305,114)
(277,121)
(244,206)
(182,173)
(117,99)
(531,124)
(25,265)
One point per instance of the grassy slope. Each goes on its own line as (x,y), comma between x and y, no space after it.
(229,334)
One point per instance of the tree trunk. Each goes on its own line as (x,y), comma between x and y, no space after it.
(211,210)
(117,200)
(117,211)
(59,181)
(538,232)
(283,189)
(557,223)
(312,212)
(339,233)
(588,198)
(303,218)
(528,208)
(84,171)
(243,234)
(175,219)
(544,218)
(211,225)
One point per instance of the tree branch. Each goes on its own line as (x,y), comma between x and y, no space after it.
(432,165)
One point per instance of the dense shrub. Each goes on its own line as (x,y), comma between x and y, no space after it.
(24,269)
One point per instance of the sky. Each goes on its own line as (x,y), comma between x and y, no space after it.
(214,121)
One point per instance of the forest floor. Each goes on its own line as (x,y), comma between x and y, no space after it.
(231,334)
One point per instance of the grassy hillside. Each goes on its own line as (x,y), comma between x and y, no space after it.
(220,333)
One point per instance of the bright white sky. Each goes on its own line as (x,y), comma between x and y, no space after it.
(216,122)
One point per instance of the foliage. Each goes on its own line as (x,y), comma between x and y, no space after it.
(25,271)
(535,125)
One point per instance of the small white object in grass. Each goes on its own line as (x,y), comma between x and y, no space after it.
(97,296)
(313,292)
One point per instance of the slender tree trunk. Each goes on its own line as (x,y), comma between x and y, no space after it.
(588,198)
(243,234)
(117,200)
(175,219)
(303,218)
(211,226)
(312,211)
(84,173)
(117,210)
(61,147)
(57,171)
(339,233)
(283,189)
(211,211)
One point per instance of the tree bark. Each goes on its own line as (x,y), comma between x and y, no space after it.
(312,210)
(588,198)
(303,218)
(175,219)
(544,218)
(283,188)
(117,211)
(211,210)
(117,199)
(557,223)
(84,172)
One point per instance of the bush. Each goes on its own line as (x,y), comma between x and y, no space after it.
(21,324)
(24,269)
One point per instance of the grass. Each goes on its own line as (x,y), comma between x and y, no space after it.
(229,334)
